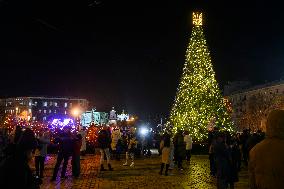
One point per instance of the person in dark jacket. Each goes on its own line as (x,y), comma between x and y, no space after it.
(104,140)
(41,152)
(15,172)
(76,156)
(180,148)
(65,151)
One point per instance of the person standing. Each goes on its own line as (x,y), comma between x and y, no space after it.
(115,138)
(165,148)
(223,160)
(188,147)
(15,171)
(131,146)
(41,152)
(76,156)
(83,133)
(266,167)
(104,141)
(65,151)
(180,148)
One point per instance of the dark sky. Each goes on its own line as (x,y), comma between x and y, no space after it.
(129,54)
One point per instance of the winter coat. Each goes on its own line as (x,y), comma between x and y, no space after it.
(165,152)
(115,136)
(188,141)
(104,139)
(266,162)
(180,147)
(83,134)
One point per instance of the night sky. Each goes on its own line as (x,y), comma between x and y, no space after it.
(130,54)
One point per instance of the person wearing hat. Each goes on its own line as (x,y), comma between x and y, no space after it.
(266,159)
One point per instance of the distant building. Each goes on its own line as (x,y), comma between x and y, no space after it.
(41,108)
(259,96)
(97,118)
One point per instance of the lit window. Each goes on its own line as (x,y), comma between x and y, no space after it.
(30,111)
(44,104)
(39,111)
(65,104)
(55,104)
(6,110)
(55,111)
(49,111)
(44,111)
(34,118)
(50,103)
(35,103)
(65,112)
(44,118)
(30,103)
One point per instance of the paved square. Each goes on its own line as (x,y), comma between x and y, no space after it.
(143,175)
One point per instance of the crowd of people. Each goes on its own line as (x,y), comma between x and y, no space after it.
(262,154)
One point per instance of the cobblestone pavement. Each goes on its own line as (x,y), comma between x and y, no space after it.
(143,175)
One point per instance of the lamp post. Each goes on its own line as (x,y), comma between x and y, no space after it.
(76,113)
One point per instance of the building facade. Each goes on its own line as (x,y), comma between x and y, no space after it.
(252,105)
(41,108)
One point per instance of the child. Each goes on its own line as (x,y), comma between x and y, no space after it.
(165,148)
(76,156)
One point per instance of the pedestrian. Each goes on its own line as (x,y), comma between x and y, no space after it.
(212,157)
(83,133)
(64,153)
(266,167)
(41,152)
(131,146)
(115,138)
(165,148)
(188,142)
(15,171)
(223,159)
(76,155)
(104,141)
(171,156)
(180,149)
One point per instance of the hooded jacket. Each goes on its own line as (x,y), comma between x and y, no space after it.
(266,163)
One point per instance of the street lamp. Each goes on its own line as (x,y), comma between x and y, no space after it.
(76,113)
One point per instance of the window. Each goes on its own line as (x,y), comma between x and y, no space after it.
(65,112)
(55,104)
(50,103)
(35,103)
(65,104)
(39,111)
(44,104)
(34,118)
(30,111)
(30,103)
(44,111)
(55,111)
(44,118)
(49,111)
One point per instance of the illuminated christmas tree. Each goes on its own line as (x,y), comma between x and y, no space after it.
(198,101)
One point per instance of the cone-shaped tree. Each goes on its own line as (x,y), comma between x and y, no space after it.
(198,100)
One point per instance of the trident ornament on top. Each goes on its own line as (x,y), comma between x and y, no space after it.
(197,18)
